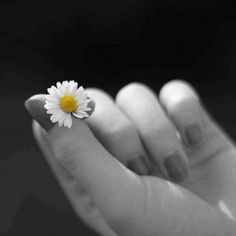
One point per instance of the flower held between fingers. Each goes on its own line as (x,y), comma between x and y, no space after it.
(67,100)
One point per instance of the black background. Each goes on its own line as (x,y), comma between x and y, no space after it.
(104,44)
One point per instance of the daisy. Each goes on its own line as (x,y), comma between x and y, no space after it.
(67,100)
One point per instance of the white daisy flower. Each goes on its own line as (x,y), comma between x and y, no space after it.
(66,100)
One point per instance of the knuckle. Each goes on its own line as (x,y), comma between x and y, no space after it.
(156,131)
(119,132)
(65,152)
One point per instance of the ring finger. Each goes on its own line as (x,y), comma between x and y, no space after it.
(157,132)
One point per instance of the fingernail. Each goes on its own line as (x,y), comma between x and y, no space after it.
(176,167)
(193,134)
(92,105)
(138,165)
(35,106)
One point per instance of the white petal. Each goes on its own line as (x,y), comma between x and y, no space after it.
(53,110)
(60,89)
(48,96)
(82,113)
(55,92)
(77,115)
(51,105)
(86,115)
(71,82)
(65,83)
(84,101)
(53,118)
(52,102)
(67,88)
(81,100)
(73,88)
(79,92)
(56,115)
(85,94)
(81,97)
(87,109)
(80,89)
(87,100)
(51,98)
(59,85)
(63,87)
(62,117)
(81,106)
(68,121)
(50,91)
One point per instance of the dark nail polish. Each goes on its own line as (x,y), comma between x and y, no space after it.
(193,134)
(138,165)
(175,167)
(35,106)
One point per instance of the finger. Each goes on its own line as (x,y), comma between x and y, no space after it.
(175,202)
(182,106)
(173,210)
(157,132)
(116,132)
(105,179)
(38,100)
(197,129)
(80,200)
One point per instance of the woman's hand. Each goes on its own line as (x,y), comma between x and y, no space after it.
(142,165)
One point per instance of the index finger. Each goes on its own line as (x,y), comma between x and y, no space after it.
(110,184)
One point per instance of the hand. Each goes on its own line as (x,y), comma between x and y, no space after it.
(142,165)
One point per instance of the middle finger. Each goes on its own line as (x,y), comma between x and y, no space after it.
(117,133)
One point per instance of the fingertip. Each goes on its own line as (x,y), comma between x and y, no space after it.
(35,106)
(131,88)
(178,89)
(33,102)
(182,105)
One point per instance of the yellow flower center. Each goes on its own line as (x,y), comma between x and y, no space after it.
(68,103)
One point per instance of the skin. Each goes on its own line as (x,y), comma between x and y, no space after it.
(92,163)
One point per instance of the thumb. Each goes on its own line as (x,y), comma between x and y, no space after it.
(173,210)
